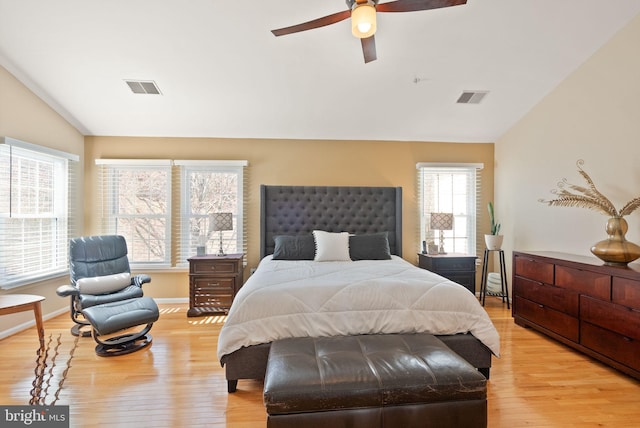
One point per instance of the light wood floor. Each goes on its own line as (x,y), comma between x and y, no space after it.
(177,382)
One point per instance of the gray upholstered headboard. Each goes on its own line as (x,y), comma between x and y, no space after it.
(297,210)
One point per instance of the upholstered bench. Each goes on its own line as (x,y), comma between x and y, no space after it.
(397,380)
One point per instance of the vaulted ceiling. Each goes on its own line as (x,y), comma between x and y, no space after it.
(222,73)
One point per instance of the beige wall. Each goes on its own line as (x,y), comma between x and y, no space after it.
(26,117)
(292,162)
(592,115)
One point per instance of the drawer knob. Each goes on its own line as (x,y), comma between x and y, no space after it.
(627,339)
(213,284)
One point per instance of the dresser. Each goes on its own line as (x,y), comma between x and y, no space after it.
(213,283)
(582,303)
(460,268)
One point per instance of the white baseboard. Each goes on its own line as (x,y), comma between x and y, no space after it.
(25,325)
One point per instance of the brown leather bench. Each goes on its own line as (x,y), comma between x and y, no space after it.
(396,380)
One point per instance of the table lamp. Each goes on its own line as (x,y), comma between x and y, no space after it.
(219,222)
(441,222)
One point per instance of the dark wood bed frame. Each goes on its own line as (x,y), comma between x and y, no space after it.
(297,210)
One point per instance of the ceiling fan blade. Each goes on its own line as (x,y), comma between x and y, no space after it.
(369,49)
(316,23)
(415,5)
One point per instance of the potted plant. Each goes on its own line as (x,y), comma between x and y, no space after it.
(494,240)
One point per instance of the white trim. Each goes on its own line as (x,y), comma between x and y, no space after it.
(448,165)
(37,148)
(28,324)
(134,162)
(211,162)
(170,300)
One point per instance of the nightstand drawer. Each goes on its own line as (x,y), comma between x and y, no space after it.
(212,282)
(202,267)
(214,301)
(455,264)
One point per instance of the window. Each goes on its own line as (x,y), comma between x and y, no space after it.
(210,187)
(38,211)
(450,188)
(162,207)
(136,203)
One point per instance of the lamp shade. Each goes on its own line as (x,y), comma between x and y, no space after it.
(441,221)
(363,20)
(220,221)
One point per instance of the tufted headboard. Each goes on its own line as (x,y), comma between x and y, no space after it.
(297,210)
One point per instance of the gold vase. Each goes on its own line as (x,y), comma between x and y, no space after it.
(616,250)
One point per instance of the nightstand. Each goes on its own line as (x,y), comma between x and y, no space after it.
(213,283)
(460,268)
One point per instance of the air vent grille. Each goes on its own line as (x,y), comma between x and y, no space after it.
(471,97)
(143,87)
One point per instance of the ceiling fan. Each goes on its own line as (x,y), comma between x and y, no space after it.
(363,19)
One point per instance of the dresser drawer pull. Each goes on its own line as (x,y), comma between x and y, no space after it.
(213,284)
(540,306)
(627,339)
(213,268)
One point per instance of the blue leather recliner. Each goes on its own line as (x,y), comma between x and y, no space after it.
(106,297)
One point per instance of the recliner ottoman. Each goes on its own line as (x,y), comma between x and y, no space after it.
(395,380)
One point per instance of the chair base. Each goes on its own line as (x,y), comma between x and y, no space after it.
(76,330)
(105,349)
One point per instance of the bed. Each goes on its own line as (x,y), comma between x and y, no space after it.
(291,294)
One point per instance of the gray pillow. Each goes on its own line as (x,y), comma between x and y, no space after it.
(298,247)
(371,246)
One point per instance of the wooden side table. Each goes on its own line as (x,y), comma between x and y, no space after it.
(460,268)
(213,283)
(12,303)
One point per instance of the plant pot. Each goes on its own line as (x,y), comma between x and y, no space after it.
(493,242)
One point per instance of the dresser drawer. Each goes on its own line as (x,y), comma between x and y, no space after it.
(534,269)
(208,267)
(626,292)
(620,319)
(615,346)
(584,282)
(551,319)
(547,295)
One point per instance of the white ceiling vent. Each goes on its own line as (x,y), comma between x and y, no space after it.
(143,87)
(471,97)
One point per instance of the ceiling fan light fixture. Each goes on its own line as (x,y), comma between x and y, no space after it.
(363,20)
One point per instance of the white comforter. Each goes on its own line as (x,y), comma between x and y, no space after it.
(305,298)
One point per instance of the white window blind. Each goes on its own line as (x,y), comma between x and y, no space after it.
(451,188)
(136,203)
(162,207)
(38,211)
(209,187)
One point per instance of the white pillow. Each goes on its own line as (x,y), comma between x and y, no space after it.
(103,284)
(331,246)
